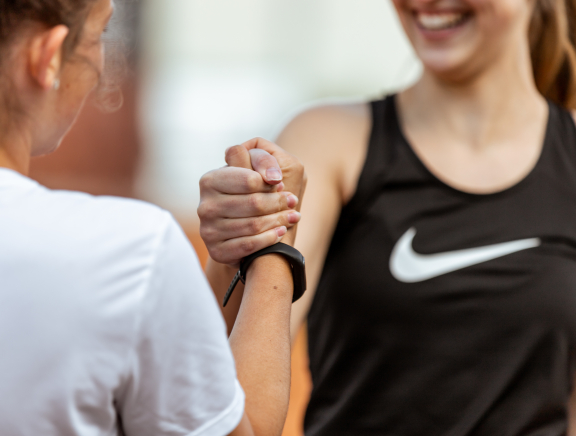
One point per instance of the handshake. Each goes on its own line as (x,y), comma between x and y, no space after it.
(252,203)
(245,207)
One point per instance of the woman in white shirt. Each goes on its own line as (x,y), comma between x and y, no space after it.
(107,324)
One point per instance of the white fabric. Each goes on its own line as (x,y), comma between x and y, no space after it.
(105,315)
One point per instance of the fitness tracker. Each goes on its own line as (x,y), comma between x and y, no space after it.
(293,256)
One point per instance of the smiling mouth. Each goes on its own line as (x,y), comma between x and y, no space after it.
(437,21)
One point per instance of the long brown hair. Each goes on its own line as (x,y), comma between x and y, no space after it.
(15,14)
(552,43)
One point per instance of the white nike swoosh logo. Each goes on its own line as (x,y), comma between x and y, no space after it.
(410,267)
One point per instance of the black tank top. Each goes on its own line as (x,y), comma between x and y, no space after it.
(446,313)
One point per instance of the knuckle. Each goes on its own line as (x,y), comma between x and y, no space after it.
(235,228)
(208,233)
(294,163)
(247,246)
(206,181)
(256,203)
(298,166)
(233,152)
(206,210)
(283,220)
(283,201)
(215,253)
(235,149)
(252,182)
(201,210)
(256,226)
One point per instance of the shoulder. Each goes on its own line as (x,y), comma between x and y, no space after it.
(104,214)
(331,140)
(325,124)
(86,227)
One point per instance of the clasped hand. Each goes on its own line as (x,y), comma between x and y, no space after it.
(252,203)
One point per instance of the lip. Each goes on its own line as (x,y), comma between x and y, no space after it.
(444,34)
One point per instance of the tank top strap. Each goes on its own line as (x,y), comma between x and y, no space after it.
(382,150)
(562,134)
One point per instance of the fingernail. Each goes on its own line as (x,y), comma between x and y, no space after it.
(274,174)
(281,231)
(294,217)
(292,201)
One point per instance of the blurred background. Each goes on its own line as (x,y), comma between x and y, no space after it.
(203,75)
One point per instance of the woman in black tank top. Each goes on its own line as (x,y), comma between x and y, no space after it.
(440,232)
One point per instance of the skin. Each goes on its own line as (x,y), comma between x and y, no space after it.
(260,340)
(486,135)
(36,63)
(260,337)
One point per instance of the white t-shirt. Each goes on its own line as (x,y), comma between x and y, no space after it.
(106,321)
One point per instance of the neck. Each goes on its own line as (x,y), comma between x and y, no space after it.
(15,151)
(480,108)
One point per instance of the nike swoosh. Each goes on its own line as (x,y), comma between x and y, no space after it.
(410,267)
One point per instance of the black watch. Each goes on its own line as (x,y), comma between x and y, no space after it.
(293,256)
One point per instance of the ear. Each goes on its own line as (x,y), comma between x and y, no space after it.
(45,56)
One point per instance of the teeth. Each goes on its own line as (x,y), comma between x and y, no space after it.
(439,21)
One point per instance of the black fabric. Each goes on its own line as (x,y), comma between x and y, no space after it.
(484,350)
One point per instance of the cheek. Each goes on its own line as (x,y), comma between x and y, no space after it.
(78,81)
(498,17)
(402,8)
(96,60)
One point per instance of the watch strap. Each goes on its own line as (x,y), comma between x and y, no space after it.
(293,256)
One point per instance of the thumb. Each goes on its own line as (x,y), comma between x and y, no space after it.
(267,165)
(237,156)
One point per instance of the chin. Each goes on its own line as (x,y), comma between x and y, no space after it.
(449,66)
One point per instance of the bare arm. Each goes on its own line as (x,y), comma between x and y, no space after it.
(261,207)
(331,142)
(220,276)
(260,337)
(260,342)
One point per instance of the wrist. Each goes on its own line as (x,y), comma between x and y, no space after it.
(291,262)
(224,268)
(276,271)
(272,264)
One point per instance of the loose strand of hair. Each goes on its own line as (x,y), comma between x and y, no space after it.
(552,41)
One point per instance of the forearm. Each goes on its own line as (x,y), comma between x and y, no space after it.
(260,341)
(220,276)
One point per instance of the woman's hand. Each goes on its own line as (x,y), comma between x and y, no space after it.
(243,210)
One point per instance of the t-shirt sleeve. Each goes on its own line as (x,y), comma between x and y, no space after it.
(181,378)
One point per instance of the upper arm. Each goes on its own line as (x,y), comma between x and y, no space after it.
(180,374)
(331,142)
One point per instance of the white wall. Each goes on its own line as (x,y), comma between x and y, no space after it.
(218,72)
